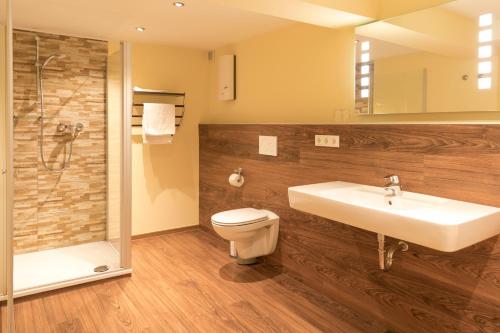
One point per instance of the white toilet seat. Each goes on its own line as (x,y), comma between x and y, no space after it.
(239,217)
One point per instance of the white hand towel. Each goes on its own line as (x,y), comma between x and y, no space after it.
(158,123)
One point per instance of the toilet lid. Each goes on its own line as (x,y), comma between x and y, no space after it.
(240,216)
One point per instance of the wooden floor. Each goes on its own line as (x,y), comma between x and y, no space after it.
(184,282)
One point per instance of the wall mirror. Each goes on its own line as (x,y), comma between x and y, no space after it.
(441,59)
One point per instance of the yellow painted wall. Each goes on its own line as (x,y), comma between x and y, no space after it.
(448,27)
(446,90)
(390,8)
(299,74)
(302,74)
(401,91)
(165,177)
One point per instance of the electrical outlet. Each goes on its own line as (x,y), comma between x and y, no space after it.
(327,141)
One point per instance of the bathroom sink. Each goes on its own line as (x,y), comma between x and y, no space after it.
(439,223)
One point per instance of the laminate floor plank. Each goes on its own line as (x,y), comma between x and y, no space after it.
(185,282)
(285,301)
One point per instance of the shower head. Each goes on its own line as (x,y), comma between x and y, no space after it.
(54,56)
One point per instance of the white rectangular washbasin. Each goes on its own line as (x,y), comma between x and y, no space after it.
(439,223)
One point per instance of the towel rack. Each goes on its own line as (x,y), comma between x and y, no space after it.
(154,96)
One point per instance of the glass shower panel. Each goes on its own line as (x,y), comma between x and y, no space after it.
(114,141)
(3,156)
(6,292)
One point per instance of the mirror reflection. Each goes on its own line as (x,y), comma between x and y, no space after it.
(442,59)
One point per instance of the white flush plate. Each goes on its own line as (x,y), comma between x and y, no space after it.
(268,145)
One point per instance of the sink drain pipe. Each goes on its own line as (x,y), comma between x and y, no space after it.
(386,257)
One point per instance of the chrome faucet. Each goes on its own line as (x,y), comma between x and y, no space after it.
(393,186)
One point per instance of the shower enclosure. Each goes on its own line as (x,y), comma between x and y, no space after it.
(68,158)
(69,133)
(65,124)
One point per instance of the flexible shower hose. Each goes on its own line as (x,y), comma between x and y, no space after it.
(66,160)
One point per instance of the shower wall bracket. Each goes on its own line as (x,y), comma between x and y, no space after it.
(386,256)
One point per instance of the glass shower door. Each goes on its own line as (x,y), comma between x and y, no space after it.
(6,123)
(118,149)
(3,160)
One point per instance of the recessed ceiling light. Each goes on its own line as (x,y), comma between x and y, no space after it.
(141,29)
(179,4)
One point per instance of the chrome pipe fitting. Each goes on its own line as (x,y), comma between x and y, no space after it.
(386,257)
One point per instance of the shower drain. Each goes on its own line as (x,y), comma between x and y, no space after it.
(100,269)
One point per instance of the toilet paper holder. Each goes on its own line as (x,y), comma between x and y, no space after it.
(238,171)
(236,179)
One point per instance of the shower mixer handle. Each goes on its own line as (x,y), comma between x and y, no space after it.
(76,129)
(62,127)
(79,127)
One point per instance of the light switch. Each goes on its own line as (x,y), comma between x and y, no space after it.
(268,145)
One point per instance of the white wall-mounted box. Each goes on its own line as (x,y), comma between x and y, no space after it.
(227,77)
(268,145)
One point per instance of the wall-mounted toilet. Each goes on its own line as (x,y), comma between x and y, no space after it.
(254,232)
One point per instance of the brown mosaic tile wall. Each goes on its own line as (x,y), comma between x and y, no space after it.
(59,209)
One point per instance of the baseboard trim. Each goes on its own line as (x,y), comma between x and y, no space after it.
(166,232)
(208,229)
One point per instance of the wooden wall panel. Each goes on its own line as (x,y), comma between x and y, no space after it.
(427,290)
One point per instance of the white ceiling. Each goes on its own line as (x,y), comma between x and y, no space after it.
(473,8)
(326,13)
(409,33)
(200,24)
(382,49)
